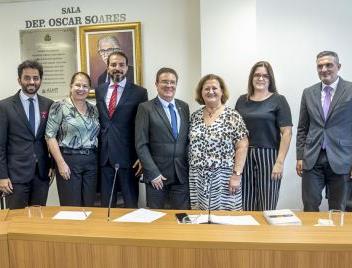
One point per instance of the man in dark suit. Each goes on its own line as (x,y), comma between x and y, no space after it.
(162,126)
(324,140)
(117,103)
(24,157)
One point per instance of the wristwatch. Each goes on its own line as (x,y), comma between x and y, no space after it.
(237,173)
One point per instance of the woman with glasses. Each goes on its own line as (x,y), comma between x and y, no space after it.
(72,136)
(268,119)
(217,150)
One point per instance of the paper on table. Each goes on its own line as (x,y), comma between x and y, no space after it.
(230,220)
(72,215)
(140,215)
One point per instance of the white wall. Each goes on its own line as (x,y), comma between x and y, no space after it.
(225,37)
(170,37)
(236,34)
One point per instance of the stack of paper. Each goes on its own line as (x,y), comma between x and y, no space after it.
(281,217)
(141,215)
(72,215)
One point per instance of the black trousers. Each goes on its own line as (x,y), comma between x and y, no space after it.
(176,195)
(320,176)
(34,192)
(126,181)
(80,189)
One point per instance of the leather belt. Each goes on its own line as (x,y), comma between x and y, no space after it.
(78,151)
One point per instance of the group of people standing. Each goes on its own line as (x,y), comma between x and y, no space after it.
(217,158)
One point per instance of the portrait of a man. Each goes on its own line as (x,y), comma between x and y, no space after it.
(98,42)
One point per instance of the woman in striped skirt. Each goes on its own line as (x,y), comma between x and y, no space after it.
(218,148)
(268,119)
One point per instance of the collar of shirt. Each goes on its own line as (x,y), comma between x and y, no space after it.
(121,84)
(165,103)
(333,85)
(25,98)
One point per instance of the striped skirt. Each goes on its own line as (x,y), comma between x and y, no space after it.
(259,190)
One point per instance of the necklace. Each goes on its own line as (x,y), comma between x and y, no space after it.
(211,113)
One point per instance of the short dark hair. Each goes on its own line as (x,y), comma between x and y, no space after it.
(166,70)
(117,53)
(269,69)
(81,73)
(30,64)
(225,91)
(328,53)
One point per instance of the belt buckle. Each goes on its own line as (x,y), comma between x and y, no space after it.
(86,151)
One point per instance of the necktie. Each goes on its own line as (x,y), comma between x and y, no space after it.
(326,105)
(173,120)
(327,100)
(31,115)
(113,99)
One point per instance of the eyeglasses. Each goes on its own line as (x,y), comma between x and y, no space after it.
(263,76)
(108,51)
(79,86)
(168,82)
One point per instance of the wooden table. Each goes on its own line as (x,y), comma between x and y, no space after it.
(4,251)
(164,243)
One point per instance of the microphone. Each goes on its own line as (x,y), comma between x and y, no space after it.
(117,166)
(209,206)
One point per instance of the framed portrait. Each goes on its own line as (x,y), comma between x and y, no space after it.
(98,41)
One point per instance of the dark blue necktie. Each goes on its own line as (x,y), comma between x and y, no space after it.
(173,120)
(31,115)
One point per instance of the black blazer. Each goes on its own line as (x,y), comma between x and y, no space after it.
(157,149)
(116,140)
(20,150)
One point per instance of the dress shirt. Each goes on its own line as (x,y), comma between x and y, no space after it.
(120,90)
(165,105)
(25,103)
(333,86)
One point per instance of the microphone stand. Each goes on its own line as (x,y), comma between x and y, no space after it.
(117,166)
(209,203)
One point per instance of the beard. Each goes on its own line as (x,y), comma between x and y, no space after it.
(30,89)
(117,76)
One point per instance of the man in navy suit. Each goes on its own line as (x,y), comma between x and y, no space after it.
(24,157)
(117,103)
(324,140)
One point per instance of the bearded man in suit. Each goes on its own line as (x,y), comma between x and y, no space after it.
(24,157)
(117,103)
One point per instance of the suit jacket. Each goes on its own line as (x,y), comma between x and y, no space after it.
(20,150)
(157,149)
(116,140)
(337,129)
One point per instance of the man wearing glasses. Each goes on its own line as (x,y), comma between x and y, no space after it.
(107,45)
(324,140)
(161,136)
